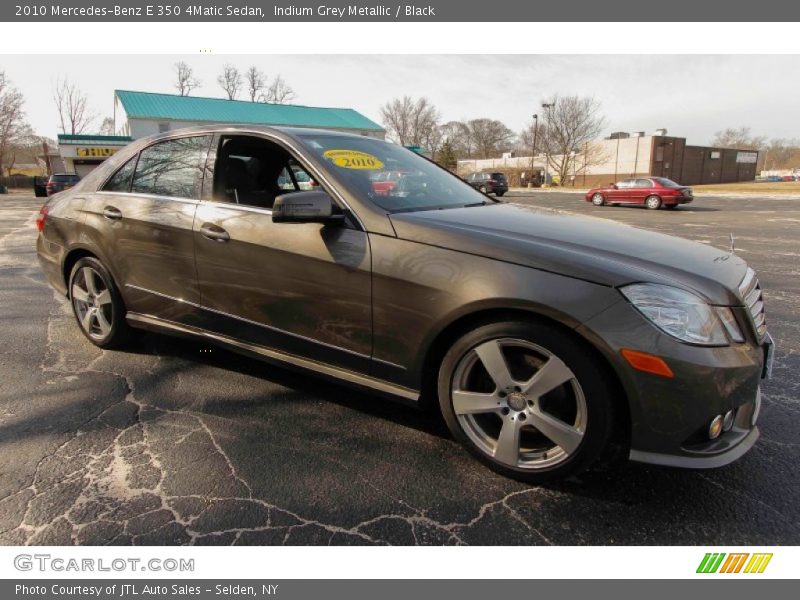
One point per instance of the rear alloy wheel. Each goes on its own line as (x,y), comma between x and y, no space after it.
(653,202)
(525,399)
(598,200)
(97,305)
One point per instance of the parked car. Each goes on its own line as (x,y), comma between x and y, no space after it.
(60,182)
(545,340)
(40,186)
(492,182)
(385,181)
(652,192)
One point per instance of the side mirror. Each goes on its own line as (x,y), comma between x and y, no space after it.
(313,206)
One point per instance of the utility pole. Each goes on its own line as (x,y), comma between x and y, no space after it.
(533,150)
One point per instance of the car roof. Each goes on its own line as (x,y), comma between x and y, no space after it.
(225,128)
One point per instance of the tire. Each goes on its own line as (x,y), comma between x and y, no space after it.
(480,412)
(598,199)
(483,189)
(97,304)
(652,202)
(499,194)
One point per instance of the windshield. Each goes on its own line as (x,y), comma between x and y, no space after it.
(390,176)
(667,182)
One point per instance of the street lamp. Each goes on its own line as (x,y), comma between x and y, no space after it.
(547,106)
(533,150)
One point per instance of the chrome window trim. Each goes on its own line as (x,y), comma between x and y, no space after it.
(151,197)
(265,326)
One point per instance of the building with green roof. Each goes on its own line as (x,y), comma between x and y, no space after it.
(139,114)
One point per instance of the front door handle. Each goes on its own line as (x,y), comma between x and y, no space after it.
(112,212)
(214,232)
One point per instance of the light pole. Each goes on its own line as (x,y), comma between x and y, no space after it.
(546,106)
(533,150)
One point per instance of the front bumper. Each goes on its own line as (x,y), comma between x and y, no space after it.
(669,417)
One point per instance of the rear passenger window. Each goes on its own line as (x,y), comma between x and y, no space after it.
(121,180)
(644,183)
(172,168)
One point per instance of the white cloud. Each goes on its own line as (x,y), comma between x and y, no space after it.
(690,95)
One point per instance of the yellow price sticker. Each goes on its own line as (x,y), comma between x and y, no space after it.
(353,159)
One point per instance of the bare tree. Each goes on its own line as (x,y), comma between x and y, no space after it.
(489,136)
(457,134)
(571,124)
(72,105)
(255,80)
(185,81)
(738,137)
(279,92)
(411,122)
(780,154)
(107,126)
(13,127)
(230,81)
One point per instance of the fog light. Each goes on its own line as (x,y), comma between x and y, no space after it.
(715,428)
(727,422)
(756,408)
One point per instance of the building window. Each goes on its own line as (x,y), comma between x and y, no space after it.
(163,127)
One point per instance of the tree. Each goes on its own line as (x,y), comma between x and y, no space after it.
(230,81)
(13,127)
(72,105)
(411,122)
(739,137)
(255,80)
(571,124)
(489,136)
(279,92)
(780,154)
(457,133)
(107,126)
(447,155)
(185,81)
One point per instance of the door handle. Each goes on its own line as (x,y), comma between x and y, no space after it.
(214,232)
(112,212)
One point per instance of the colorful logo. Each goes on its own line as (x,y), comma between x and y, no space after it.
(735,562)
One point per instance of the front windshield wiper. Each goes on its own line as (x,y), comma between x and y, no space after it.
(481,203)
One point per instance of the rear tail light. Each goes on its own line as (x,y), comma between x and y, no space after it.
(41,218)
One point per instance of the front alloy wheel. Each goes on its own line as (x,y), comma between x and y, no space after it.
(526,399)
(598,200)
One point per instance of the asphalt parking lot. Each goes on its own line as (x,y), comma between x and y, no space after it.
(171,442)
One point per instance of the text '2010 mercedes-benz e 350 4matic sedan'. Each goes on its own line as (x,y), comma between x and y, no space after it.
(543,339)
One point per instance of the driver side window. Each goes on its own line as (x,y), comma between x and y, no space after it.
(253,171)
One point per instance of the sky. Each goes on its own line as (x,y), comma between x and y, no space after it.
(692,96)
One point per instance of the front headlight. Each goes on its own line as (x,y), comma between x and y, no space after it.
(684,315)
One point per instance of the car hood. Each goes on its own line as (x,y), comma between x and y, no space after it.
(587,248)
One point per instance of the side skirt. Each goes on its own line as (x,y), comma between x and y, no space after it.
(275,356)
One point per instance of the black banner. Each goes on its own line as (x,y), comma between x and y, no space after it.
(392,10)
(403,589)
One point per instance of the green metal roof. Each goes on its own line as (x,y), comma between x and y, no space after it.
(146,105)
(67,138)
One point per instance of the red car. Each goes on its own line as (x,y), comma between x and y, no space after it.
(384,182)
(653,192)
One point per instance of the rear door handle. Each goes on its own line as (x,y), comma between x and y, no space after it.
(112,212)
(214,232)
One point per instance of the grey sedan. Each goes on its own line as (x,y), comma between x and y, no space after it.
(546,341)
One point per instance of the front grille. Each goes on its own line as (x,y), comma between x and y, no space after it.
(754,301)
